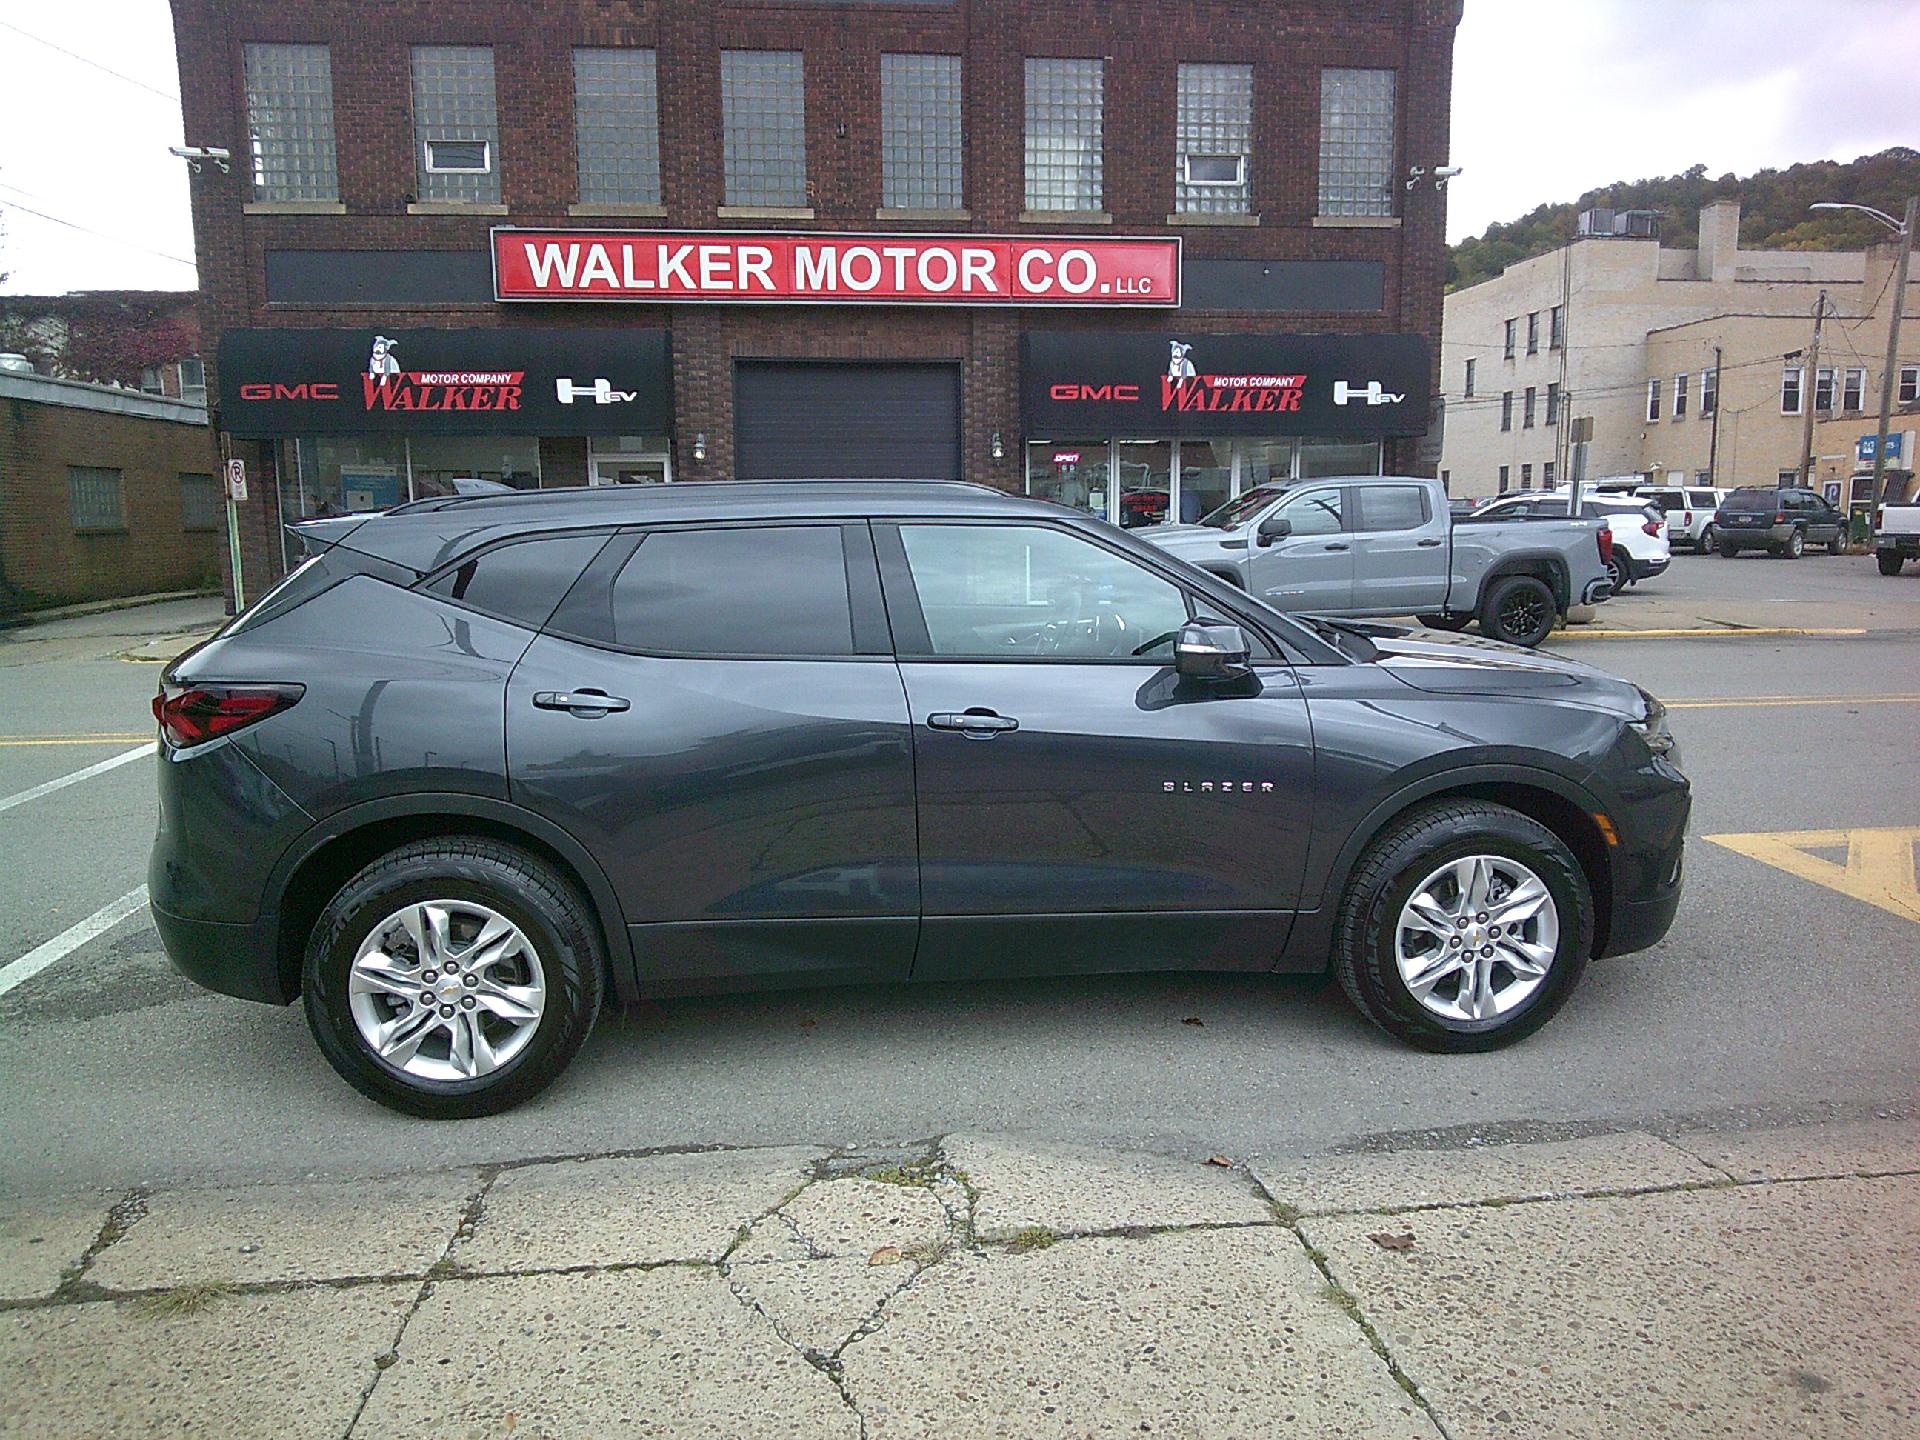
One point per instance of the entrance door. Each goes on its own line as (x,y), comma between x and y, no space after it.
(1081,806)
(842,421)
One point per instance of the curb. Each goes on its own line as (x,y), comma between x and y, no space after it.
(1696,633)
(28,618)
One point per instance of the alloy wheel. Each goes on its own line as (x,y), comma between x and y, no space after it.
(446,990)
(1477,938)
(1523,613)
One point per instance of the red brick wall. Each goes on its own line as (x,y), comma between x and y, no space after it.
(40,552)
(1141,40)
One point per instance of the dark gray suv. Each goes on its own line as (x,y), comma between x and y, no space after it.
(485,758)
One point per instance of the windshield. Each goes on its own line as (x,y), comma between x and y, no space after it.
(1238,512)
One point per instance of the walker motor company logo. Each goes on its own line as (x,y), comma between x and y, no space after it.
(1184,387)
(894,269)
(474,381)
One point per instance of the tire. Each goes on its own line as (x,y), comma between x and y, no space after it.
(1890,561)
(1453,624)
(1399,864)
(1519,610)
(1622,575)
(1837,545)
(1729,550)
(557,973)
(1795,547)
(1709,538)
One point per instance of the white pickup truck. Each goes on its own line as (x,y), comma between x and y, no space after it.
(1896,534)
(1383,545)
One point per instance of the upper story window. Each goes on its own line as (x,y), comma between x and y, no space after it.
(763,112)
(1553,403)
(920,146)
(1356,142)
(616,126)
(151,382)
(1823,388)
(1909,384)
(1468,392)
(1709,392)
(1653,399)
(456,129)
(290,144)
(1853,390)
(193,380)
(1506,411)
(1527,409)
(1214,140)
(1065,135)
(1513,337)
(1533,333)
(1680,396)
(1792,382)
(1557,327)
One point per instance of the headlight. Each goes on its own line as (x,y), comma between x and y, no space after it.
(1654,729)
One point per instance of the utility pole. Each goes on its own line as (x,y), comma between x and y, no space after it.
(1713,441)
(1809,391)
(1893,358)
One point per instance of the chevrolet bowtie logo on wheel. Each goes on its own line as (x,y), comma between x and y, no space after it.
(1372,393)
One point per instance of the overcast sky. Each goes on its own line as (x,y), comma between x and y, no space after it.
(1551,97)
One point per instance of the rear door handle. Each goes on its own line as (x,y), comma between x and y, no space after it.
(1340,545)
(1428,543)
(585,703)
(975,724)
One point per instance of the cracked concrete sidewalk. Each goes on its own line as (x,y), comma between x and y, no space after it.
(1748,1283)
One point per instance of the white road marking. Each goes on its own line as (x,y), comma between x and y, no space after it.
(71,939)
(125,757)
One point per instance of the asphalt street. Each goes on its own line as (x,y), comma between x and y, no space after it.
(1774,996)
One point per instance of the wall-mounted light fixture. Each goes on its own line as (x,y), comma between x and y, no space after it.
(700,448)
(996,449)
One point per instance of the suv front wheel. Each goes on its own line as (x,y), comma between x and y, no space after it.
(453,978)
(1464,927)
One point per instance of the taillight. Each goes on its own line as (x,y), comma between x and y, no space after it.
(1879,517)
(195,714)
(1652,527)
(1779,517)
(1605,537)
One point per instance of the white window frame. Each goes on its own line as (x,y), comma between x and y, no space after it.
(1653,400)
(1827,378)
(1909,389)
(1709,394)
(486,156)
(1239,169)
(1793,377)
(1680,383)
(1853,388)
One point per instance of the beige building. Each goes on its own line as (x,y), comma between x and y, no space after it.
(1620,329)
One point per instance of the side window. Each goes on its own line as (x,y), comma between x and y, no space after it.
(1392,507)
(521,581)
(756,590)
(1005,591)
(1702,499)
(1317,512)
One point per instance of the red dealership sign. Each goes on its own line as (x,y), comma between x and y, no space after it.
(653,266)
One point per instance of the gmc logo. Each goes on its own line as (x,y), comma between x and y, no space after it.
(1094,392)
(305,390)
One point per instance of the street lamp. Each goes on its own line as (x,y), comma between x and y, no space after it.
(1903,233)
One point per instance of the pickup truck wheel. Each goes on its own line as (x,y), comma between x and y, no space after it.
(1709,538)
(1464,927)
(1451,623)
(1518,610)
(1890,561)
(1795,547)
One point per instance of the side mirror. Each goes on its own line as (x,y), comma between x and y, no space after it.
(1274,527)
(1211,650)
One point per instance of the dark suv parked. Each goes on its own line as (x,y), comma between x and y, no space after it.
(485,757)
(1782,522)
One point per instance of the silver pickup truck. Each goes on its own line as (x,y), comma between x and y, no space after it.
(1387,545)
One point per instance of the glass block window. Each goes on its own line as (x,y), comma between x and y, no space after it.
(1356,142)
(920,167)
(1214,140)
(763,106)
(1065,141)
(200,502)
(93,498)
(616,126)
(456,130)
(290,142)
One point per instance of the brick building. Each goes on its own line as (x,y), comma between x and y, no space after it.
(1135,255)
(103,492)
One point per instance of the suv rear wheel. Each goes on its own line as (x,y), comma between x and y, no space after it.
(453,978)
(1463,928)
(1838,545)
(1795,547)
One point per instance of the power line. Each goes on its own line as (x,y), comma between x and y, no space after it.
(84,60)
(101,234)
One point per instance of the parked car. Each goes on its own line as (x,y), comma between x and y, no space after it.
(1637,529)
(484,759)
(1782,521)
(1896,534)
(1365,545)
(1689,510)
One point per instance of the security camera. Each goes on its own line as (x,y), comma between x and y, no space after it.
(197,156)
(1447,172)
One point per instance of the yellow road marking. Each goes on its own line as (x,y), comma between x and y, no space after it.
(1878,869)
(1735,702)
(1573,632)
(114,739)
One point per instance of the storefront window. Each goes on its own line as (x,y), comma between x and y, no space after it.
(473,464)
(1338,457)
(629,460)
(1206,477)
(1264,461)
(1146,481)
(1072,474)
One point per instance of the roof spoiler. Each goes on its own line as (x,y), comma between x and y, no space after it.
(325,531)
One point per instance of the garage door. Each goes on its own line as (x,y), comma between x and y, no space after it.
(811,421)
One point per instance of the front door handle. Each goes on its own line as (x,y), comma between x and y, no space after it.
(1429,543)
(1339,545)
(585,703)
(975,724)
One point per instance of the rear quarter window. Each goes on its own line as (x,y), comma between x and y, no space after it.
(521,580)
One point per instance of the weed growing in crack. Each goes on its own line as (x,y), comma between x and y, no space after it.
(183,1299)
(1034,1237)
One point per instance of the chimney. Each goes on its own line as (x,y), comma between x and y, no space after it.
(1719,240)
